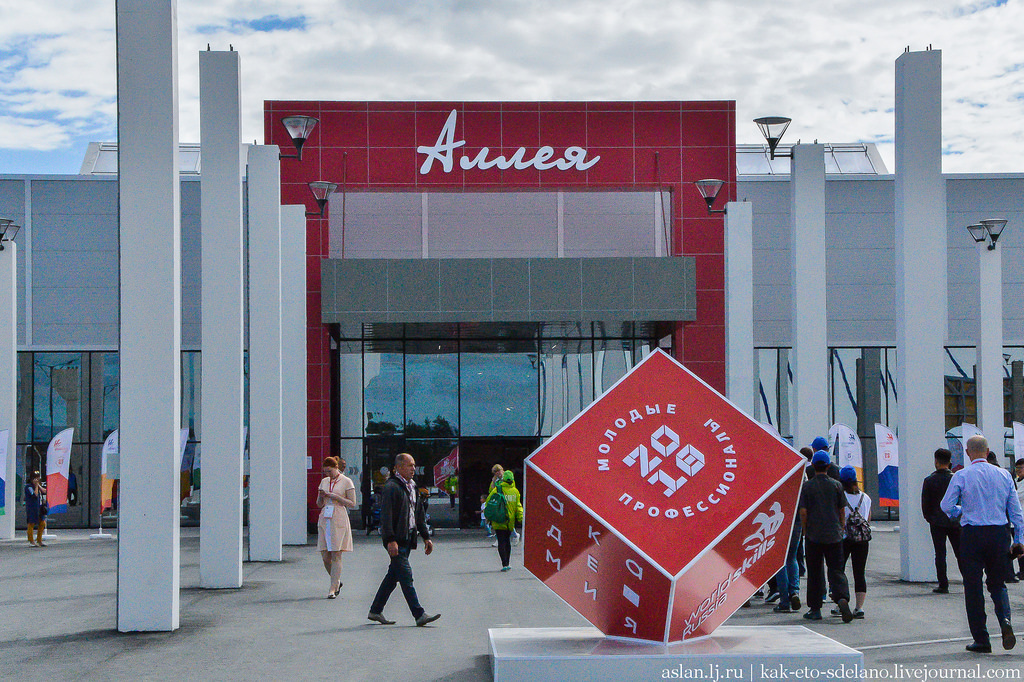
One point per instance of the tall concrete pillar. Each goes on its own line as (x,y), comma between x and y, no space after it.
(220,531)
(264,190)
(9,380)
(293,371)
(920,294)
(990,347)
(150,311)
(810,325)
(739,305)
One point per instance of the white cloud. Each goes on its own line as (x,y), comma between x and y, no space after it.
(829,66)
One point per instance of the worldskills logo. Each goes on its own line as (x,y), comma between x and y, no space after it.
(762,539)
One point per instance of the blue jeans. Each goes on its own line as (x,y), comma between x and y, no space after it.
(787,580)
(399,573)
(984,548)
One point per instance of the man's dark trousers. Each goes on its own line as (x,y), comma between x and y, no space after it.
(399,573)
(984,548)
(939,536)
(819,555)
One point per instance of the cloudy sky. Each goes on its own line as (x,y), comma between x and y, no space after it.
(828,65)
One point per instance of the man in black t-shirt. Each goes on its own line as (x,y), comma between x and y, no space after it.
(823,516)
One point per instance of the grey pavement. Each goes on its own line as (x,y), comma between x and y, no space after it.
(57,617)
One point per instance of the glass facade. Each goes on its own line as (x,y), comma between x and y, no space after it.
(80,391)
(493,392)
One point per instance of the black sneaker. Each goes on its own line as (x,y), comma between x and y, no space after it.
(941,590)
(813,614)
(782,608)
(771,598)
(978,648)
(794,601)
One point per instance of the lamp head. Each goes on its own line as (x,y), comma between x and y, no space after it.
(299,129)
(321,192)
(709,189)
(994,227)
(978,232)
(772,128)
(8,231)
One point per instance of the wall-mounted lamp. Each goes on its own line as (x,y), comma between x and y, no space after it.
(773,128)
(321,191)
(709,190)
(8,231)
(988,229)
(299,128)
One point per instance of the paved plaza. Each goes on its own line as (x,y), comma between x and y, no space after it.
(57,617)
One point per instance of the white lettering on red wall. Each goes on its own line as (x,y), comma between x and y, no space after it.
(544,159)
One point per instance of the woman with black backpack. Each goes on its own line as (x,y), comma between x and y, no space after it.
(857,533)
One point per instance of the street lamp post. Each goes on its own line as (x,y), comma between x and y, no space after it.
(989,389)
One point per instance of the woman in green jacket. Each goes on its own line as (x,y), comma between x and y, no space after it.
(507,488)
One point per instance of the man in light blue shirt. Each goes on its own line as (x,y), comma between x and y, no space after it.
(983,497)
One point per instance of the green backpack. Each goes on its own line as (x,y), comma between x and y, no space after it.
(496,508)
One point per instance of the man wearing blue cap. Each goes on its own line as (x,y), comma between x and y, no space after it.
(821,443)
(822,516)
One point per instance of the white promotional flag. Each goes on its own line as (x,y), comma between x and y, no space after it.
(1018,441)
(848,451)
(58,466)
(888,449)
(182,441)
(968,431)
(111,450)
(4,435)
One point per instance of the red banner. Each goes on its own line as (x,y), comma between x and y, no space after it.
(446,468)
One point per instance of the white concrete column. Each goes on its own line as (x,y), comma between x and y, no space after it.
(150,324)
(990,347)
(809,408)
(264,189)
(739,305)
(220,530)
(9,379)
(920,295)
(293,373)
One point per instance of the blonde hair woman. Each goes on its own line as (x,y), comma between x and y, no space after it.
(335,496)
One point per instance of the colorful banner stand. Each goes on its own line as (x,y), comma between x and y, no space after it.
(1018,441)
(967,431)
(58,466)
(111,448)
(847,448)
(888,449)
(4,436)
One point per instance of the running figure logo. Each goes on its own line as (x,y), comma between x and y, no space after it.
(768,526)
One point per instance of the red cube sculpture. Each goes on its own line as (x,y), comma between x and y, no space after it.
(661,508)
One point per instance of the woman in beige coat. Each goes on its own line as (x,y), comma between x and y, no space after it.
(335,496)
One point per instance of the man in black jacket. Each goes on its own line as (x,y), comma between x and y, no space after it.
(401,519)
(943,528)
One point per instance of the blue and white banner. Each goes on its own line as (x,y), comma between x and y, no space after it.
(847,449)
(888,449)
(967,431)
(4,436)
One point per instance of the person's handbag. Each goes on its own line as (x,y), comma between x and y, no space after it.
(496,507)
(857,527)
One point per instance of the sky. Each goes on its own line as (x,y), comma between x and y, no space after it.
(827,65)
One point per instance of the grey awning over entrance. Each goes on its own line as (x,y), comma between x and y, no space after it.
(507,290)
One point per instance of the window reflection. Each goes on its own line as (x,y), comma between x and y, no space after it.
(432,389)
(499,392)
(383,376)
(566,381)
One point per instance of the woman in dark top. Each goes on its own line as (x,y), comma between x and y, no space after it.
(35,509)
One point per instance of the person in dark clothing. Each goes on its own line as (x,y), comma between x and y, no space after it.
(943,528)
(401,519)
(817,444)
(823,516)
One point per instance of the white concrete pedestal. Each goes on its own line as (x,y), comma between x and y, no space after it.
(733,652)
